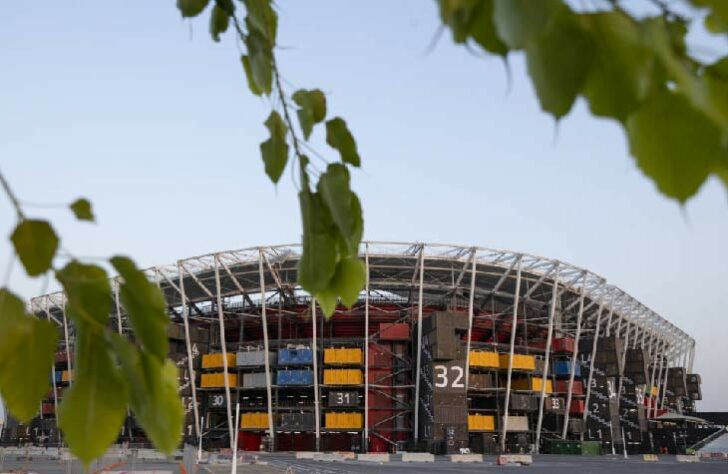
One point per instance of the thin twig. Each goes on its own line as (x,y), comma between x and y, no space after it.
(13,199)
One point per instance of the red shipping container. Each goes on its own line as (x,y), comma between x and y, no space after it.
(562,386)
(379,356)
(563,345)
(248,441)
(378,445)
(48,408)
(394,332)
(577,407)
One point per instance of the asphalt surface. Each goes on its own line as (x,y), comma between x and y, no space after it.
(286,463)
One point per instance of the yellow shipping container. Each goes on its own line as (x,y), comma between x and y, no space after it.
(343,355)
(67,376)
(655,391)
(478,422)
(215,360)
(520,362)
(343,420)
(343,377)
(533,384)
(256,419)
(483,359)
(218,380)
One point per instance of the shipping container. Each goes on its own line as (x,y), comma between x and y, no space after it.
(254,358)
(343,420)
(299,355)
(218,380)
(477,422)
(343,356)
(295,377)
(516,423)
(254,420)
(394,332)
(520,362)
(484,359)
(216,360)
(343,377)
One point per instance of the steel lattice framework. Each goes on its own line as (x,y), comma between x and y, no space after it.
(572,300)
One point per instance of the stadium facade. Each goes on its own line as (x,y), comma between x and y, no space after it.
(448,348)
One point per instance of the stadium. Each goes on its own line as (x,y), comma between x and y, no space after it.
(449,348)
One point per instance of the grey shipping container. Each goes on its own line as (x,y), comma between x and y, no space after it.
(254,358)
(254,380)
(480,380)
(576,425)
(516,423)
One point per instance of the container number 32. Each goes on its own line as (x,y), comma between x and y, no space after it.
(454,381)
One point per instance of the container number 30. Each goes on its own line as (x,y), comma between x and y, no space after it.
(442,379)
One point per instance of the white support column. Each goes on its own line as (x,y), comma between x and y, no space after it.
(118,305)
(579,316)
(53,378)
(652,380)
(516,296)
(663,392)
(658,380)
(471,315)
(419,345)
(591,368)
(547,358)
(366,349)
(316,398)
(692,357)
(271,429)
(190,365)
(223,344)
(68,344)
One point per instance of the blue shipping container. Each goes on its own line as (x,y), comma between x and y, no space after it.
(563,367)
(295,377)
(295,357)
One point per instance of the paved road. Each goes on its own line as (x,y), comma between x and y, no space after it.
(282,463)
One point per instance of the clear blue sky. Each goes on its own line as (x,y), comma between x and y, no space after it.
(142,113)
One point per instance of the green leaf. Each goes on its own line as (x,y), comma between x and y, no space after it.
(558,62)
(706,90)
(621,73)
(674,144)
(27,349)
(320,253)
(153,391)
(260,62)
(190,8)
(94,408)
(262,18)
(275,149)
(717,19)
(327,300)
(82,209)
(36,243)
(472,19)
(312,109)
(349,279)
(339,137)
(146,307)
(88,292)
(219,21)
(336,195)
(520,21)
(245,60)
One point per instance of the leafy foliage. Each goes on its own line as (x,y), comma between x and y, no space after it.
(636,70)
(275,149)
(35,243)
(24,380)
(94,408)
(82,209)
